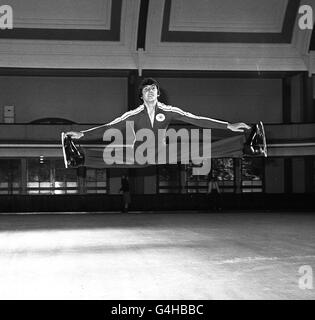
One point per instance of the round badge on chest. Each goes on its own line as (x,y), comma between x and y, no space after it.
(160,117)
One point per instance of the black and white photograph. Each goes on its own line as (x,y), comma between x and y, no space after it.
(157,151)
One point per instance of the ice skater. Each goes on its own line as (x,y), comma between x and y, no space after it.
(154,115)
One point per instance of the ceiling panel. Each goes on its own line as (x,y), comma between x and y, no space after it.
(228,15)
(247,35)
(70,14)
(238,21)
(66,20)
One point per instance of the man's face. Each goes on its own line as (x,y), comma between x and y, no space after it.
(150,93)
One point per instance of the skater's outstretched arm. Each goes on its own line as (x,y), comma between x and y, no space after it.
(118,123)
(205,122)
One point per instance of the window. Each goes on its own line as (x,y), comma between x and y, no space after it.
(195,183)
(38,177)
(224,170)
(169,178)
(65,181)
(51,177)
(96,181)
(10,176)
(252,174)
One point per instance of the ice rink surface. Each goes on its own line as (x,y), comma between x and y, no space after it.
(156,255)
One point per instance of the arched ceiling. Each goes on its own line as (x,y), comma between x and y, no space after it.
(244,35)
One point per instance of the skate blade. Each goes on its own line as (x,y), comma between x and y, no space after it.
(63,149)
(264,140)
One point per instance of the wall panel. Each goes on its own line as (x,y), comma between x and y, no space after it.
(80,99)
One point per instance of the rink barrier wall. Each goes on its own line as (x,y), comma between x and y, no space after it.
(158,202)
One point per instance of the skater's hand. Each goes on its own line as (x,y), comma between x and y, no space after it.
(238,127)
(74,134)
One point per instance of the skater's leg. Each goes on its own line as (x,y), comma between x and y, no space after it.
(240,146)
(233,147)
(228,148)
(105,158)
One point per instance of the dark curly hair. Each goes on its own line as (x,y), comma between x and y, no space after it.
(147,82)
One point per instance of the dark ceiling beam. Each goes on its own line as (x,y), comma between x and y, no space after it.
(142,24)
(49,72)
(52,72)
(312,43)
(220,74)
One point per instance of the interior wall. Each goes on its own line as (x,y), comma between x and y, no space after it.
(115,176)
(80,99)
(98,100)
(150,180)
(298,175)
(274,175)
(296,99)
(234,100)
